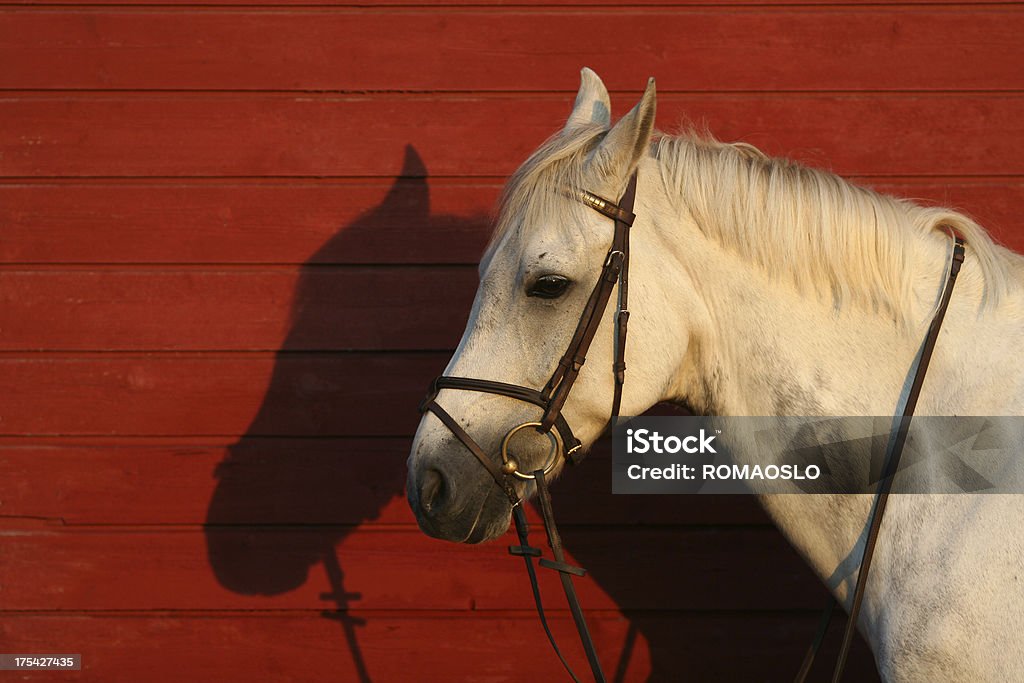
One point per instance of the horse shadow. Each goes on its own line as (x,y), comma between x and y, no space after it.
(281,506)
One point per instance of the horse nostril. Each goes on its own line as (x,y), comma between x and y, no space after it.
(432,490)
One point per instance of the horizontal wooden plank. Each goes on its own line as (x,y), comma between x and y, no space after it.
(256,394)
(734,568)
(268,481)
(223,394)
(252,481)
(290,5)
(469,647)
(698,49)
(413,220)
(48,135)
(266,309)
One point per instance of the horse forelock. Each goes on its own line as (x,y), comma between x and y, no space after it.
(536,195)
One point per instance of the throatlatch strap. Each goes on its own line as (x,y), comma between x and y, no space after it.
(892,461)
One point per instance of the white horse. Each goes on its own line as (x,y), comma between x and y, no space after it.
(759,287)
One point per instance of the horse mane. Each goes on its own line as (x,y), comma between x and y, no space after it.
(823,233)
(813,227)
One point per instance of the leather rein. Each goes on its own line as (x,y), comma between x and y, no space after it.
(552,398)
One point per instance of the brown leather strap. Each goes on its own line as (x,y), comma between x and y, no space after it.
(526,551)
(526,394)
(622,212)
(819,638)
(503,482)
(896,443)
(575,356)
(622,314)
(565,574)
(614,272)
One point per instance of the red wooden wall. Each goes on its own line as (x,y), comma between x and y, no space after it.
(237,239)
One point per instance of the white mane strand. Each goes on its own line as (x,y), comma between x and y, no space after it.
(822,232)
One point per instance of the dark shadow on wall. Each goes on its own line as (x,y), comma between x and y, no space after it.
(751,603)
(283,505)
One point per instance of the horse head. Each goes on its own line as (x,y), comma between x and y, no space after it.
(537,279)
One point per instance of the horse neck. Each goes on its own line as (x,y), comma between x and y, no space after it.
(761,347)
(765,348)
(758,345)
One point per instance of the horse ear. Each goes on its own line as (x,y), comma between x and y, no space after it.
(627,143)
(592,103)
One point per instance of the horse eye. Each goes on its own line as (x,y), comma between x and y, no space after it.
(549,287)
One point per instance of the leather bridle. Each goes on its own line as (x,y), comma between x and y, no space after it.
(564,443)
(554,394)
(551,399)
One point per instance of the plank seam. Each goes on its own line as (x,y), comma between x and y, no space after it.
(425,613)
(327,94)
(554,5)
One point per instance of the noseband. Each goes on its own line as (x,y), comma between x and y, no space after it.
(554,394)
